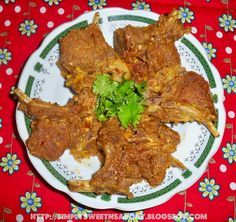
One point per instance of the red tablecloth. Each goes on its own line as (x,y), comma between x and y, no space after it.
(212,22)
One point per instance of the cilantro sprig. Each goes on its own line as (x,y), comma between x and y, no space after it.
(124,100)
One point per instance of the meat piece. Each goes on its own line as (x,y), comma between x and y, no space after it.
(147,50)
(56,128)
(84,52)
(173,94)
(161,78)
(186,98)
(131,156)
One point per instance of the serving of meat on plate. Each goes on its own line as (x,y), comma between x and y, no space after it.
(151,54)
(85,53)
(124,101)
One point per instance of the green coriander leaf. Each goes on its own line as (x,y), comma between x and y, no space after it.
(130,112)
(126,88)
(102,117)
(103,85)
(124,100)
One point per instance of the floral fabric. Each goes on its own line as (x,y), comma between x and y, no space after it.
(24,24)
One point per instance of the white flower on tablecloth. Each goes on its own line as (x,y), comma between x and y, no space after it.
(211,52)
(185,15)
(30,202)
(10,163)
(141,5)
(97,4)
(227,22)
(133,216)
(5,56)
(80,212)
(53,2)
(28,27)
(229,83)
(9,1)
(183,216)
(209,188)
(230,152)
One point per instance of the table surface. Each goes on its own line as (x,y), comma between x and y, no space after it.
(24,194)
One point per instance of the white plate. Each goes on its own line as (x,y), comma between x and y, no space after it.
(41,78)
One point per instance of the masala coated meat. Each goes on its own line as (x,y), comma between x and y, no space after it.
(84,52)
(186,98)
(56,128)
(147,50)
(173,94)
(131,156)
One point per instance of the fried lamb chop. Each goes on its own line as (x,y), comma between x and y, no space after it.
(173,94)
(56,128)
(186,98)
(85,53)
(148,50)
(131,156)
